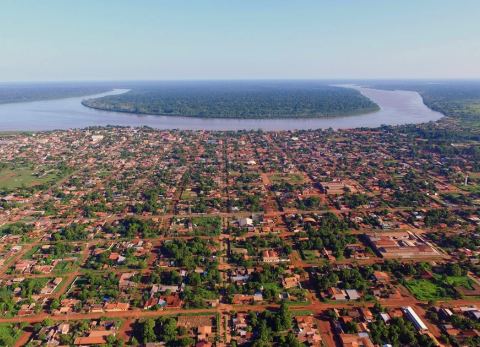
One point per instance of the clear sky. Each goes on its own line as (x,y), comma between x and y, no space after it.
(238,39)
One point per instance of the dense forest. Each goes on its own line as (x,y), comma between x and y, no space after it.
(24,92)
(237,100)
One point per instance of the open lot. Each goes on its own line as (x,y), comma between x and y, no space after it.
(425,290)
(293,178)
(12,178)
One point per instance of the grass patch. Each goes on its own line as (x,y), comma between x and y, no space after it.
(460,281)
(298,303)
(31,252)
(289,178)
(471,188)
(13,178)
(207,225)
(64,267)
(309,255)
(188,195)
(426,290)
(193,314)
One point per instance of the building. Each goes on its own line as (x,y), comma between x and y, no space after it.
(394,245)
(291,282)
(381,277)
(355,340)
(245,222)
(352,294)
(116,306)
(336,293)
(414,318)
(270,256)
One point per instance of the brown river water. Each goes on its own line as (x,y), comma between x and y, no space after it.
(396,108)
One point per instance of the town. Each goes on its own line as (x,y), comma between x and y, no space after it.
(133,236)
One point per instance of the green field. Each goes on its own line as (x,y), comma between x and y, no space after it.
(460,281)
(309,255)
(31,252)
(13,178)
(188,195)
(64,267)
(425,290)
(207,225)
(471,188)
(290,178)
(438,288)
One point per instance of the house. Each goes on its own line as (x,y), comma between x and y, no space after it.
(116,306)
(381,277)
(242,299)
(151,302)
(336,294)
(89,340)
(257,297)
(446,313)
(270,256)
(116,257)
(474,314)
(51,286)
(245,222)
(173,300)
(204,332)
(307,331)
(203,344)
(385,317)
(291,282)
(67,305)
(355,340)
(352,294)
(97,138)
(63,328)
(125,280)
(367,314)
(24,266)
(240,324)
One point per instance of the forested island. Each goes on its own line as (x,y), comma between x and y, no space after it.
(257,99)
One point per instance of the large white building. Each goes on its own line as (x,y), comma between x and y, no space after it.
(414,318)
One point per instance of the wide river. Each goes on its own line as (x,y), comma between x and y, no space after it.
(396,107)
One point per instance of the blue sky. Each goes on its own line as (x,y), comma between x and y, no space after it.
(238,39)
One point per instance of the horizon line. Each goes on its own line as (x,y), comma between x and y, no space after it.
(419,79)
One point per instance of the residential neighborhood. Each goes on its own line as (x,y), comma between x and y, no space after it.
(134,236)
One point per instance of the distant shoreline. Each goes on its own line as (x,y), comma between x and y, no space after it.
(59,96)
